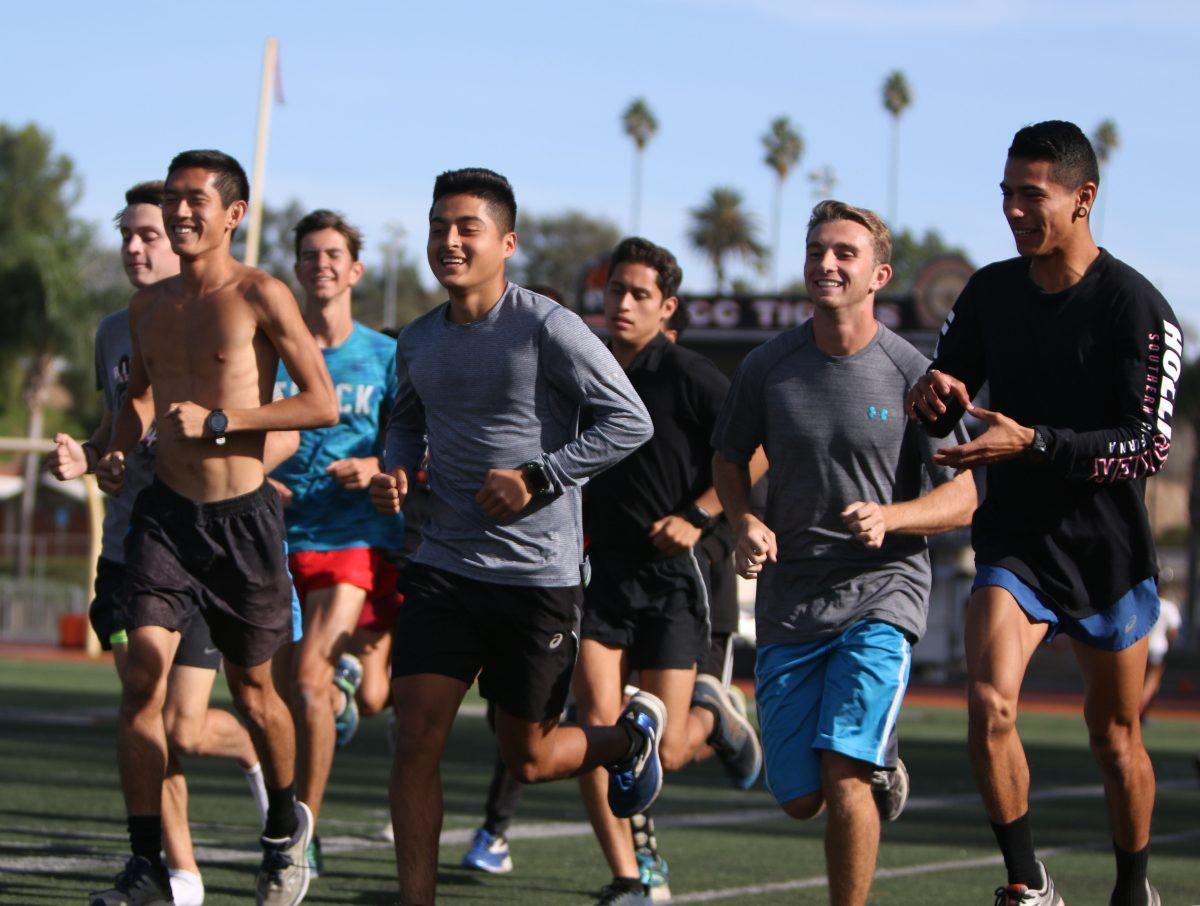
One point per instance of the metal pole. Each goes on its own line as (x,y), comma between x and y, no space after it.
(267,88)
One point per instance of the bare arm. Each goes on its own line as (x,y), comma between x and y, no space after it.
(137,414)
(280,446)
(945,508)
(315,406)
(755,543)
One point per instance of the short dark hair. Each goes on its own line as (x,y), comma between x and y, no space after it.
(829,210)
(680,320)
(324,219)
(230,179)
(489,185)
(1071,155)
(148,192)
(636,250)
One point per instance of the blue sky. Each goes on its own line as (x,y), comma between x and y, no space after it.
(380,97)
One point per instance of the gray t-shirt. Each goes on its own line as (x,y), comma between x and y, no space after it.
(834,432)
(494,394)
(112,378)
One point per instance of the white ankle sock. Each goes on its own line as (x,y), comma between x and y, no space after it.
(187,888)
(258,789)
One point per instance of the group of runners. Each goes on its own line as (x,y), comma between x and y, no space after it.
(582,506)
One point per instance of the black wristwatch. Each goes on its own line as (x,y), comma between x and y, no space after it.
(1038,449)
(698,516)
(217,424)
(536,478)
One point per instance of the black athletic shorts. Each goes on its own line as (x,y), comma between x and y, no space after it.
(224,560)
(656,611)
(107,613)
(715,556)
(520,640)
(718,659)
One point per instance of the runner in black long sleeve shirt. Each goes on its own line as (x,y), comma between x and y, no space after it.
(1081,355)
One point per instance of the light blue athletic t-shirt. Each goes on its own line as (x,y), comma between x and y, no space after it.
(323,515)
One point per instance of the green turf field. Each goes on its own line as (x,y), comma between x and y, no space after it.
(62,829)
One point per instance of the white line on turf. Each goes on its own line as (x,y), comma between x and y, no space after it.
(907,871)
(68,857)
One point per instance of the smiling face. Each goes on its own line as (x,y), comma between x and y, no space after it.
(325,268)
(467,248)
(146,253)
(840,270)
(195,216)
(1043,214)
(634,308)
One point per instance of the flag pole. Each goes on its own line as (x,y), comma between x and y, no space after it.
(254,228)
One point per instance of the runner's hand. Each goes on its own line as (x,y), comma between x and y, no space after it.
(755,546)
(504,493)
(926,400)
(284,492)
(184,421)
(110,472)
(1003,439)
(867,522)
(68,460)
(674,535)
(388,490)
(355,474)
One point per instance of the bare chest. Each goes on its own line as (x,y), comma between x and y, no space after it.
(197,339)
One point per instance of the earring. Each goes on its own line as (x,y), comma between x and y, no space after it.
(1081,211)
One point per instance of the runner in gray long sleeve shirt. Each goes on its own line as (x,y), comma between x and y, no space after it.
(492,382)
(497,393)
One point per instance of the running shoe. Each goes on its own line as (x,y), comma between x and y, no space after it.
(634,784)
(1149,898)
(890,789)
(283,875)
(655,876)
(732,737)
(141,883)
(613,895)
(1021,895)
(347,677)
(488,852)
(316,860)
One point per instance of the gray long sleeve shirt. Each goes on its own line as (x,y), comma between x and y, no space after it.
(496,393)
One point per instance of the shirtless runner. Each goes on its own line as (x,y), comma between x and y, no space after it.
(208,533)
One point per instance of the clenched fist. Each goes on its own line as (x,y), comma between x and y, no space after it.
(388,490)
(867,523)
(755,546)
(504,493)
(354,474)
(110,472)
(183,421)
(69,459)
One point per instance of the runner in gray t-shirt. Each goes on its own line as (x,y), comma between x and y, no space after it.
(841,559)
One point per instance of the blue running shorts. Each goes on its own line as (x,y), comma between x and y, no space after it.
(1125,622)
(841,694)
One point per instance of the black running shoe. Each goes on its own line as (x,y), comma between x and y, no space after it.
(890,789)
(141,883)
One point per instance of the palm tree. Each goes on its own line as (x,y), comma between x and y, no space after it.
(721,227)
(1105,140)
(823,181)
(640,125)
(897,97)
(784,148)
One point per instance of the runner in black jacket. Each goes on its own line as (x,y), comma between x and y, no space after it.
(1081,355)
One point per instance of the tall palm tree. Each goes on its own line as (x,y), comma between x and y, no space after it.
(784,148)
(897,97)
(721,227)
(824,181)
(640,125)
(1105,140)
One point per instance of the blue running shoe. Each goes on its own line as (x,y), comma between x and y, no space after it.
(488,853)
(655,876)
(347,676)
(633,785)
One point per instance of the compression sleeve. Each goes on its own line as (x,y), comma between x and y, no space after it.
(577,364)
(1148,363)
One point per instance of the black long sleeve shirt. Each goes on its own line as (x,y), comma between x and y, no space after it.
(1094,368)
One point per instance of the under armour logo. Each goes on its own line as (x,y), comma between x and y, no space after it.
(556,640)
(872,412)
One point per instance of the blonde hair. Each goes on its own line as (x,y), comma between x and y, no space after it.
(881,237)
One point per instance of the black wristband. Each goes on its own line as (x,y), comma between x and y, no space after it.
(698,516)
(89,466)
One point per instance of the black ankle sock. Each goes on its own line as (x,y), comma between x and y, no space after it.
(1016,844)
(145,836)
(1131,876)
(634,884)
(281,812)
